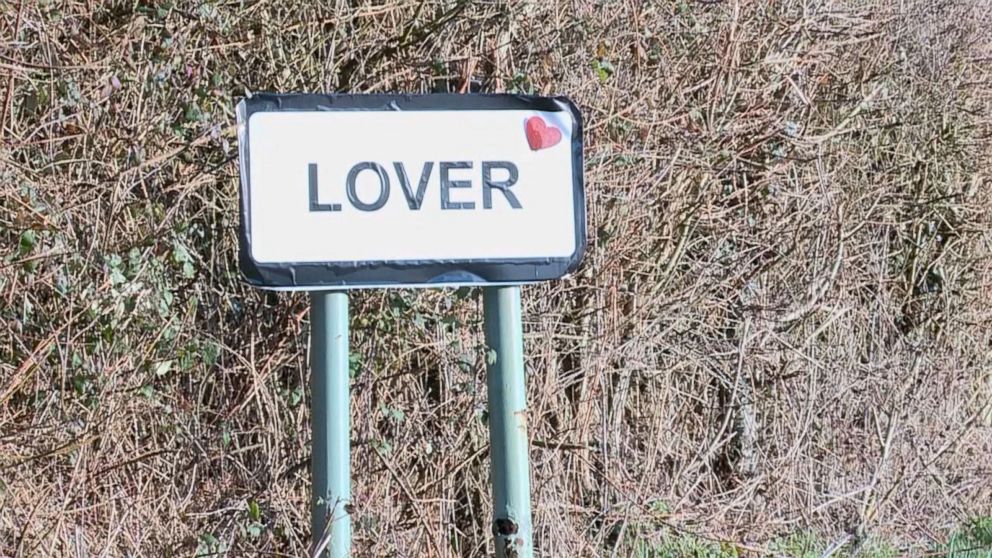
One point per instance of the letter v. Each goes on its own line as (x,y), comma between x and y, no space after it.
(414,201)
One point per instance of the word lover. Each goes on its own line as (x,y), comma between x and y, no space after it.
(453,176)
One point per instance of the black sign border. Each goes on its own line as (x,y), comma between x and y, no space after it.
(431,273)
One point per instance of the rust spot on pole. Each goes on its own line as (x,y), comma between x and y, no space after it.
(506,527)
(505,530)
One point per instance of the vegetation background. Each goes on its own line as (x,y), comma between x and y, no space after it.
(778,344)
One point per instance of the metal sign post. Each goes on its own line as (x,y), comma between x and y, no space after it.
(331,425)
(346,192)
(508,422)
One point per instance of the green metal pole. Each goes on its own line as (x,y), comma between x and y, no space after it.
(508,422)
(331,426)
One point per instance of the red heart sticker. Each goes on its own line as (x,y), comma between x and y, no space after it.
(540,135)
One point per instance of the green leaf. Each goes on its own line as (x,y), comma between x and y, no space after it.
(208,545)
(28,241)
(189,357)
(382,446)
(396,415)
(81,383)
(254,511)
(660,507)
(296,397)
(354,365)
(603,68)
(116,277)
(193,113)
(210,353)
(162,368)
(134,258)
(179,253)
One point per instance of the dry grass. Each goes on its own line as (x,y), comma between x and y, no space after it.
(783,323)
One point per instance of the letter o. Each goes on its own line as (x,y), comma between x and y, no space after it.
(383,186)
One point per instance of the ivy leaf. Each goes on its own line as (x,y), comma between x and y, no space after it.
(254,511)
(603,68)
(163,368)
(116,277)
(28,241)
(210,353)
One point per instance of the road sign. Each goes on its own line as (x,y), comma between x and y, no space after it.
(364,191)
(348,191)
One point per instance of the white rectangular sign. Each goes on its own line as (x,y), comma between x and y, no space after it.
(369,190)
